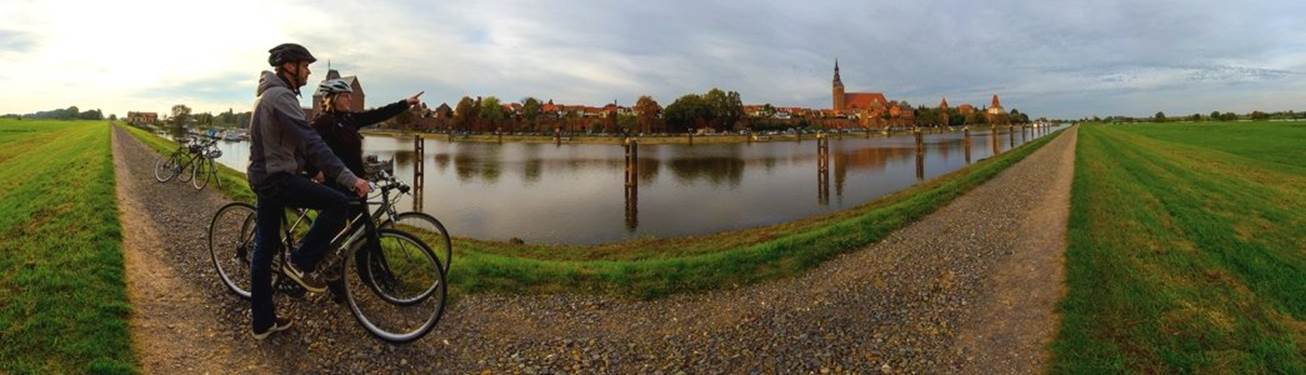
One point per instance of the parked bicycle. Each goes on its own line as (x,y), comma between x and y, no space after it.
(394,282)
(206,168)
(179,163)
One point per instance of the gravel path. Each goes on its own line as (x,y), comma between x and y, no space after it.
(929,298)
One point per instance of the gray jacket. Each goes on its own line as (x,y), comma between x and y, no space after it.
(281,139)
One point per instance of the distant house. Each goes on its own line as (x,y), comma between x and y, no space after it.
(966,109)
(142,118)
(443,111)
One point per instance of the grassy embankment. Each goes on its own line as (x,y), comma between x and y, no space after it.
(657,267)
(63,298)
(1187,250)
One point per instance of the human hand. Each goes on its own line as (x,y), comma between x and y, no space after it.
(361,187)
(319,178)
(413,100)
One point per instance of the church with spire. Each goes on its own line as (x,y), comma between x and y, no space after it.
(847,102)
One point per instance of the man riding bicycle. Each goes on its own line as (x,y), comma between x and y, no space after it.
(282,146)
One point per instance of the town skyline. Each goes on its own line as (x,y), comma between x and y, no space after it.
(1058,61)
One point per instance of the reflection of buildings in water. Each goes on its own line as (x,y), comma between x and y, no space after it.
(715,170)
(531,170)
(441,162)
(648,169)
(840,173)
(875,158)
(404,157)
(478,160)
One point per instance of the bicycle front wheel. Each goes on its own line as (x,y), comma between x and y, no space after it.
(400,269)
(201,173)
(429,230)
(186,168)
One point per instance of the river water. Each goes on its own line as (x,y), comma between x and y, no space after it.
(578,193)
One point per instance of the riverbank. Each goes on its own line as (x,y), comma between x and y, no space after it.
(662,139)
(650,268)
(898,305)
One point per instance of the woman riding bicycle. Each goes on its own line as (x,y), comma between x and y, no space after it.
(338,127)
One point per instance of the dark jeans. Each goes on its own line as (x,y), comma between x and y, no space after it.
(274,196)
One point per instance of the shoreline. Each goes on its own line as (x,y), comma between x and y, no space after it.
(665,139)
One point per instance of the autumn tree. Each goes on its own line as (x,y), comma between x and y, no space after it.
(530,109)
(464,113)
(492,110)
(647,111)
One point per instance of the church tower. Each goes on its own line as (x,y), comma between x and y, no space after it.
(838,89)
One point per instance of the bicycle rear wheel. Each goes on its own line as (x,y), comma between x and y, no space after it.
(165,168)
(407,271)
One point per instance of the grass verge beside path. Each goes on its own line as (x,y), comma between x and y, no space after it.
(63,298)
(1186,250)
(659,267)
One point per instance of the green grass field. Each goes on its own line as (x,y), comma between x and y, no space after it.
(1187,250)
(659,267)
(63,300)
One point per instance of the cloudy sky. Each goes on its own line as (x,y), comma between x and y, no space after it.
(1047,58)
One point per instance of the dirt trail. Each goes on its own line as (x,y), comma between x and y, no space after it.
(968,288)
(173,331)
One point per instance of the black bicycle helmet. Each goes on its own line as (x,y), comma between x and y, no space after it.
(289,52)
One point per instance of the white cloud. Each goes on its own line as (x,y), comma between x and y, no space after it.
(1100,57)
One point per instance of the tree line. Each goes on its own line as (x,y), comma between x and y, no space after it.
(70,113)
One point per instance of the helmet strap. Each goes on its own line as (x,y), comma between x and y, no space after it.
(291,80)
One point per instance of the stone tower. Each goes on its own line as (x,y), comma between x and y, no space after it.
(838,88)
(943,112)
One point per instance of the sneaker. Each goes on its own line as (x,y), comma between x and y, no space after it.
(309,282)
(281,324)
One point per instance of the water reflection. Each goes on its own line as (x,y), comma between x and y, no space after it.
(568,192)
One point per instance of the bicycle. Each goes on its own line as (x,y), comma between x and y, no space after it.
(205,167)
(398,268)
(180,161)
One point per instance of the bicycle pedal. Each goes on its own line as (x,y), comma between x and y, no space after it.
(291,289)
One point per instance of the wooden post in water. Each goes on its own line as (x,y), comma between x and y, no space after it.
(1011,136)
(993,138)
(920,155)
(632,183)
(822,169)
(966,142)
(691,137)
(419,171)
